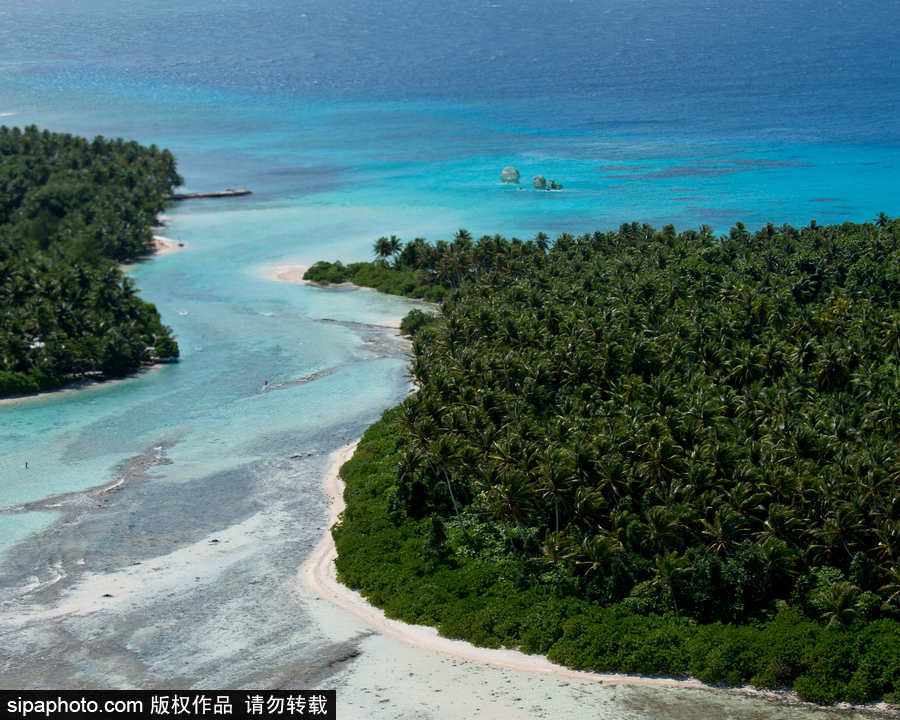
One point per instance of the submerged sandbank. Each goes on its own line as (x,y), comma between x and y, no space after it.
(293,273)
(80,384)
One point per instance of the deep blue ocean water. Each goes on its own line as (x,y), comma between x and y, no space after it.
(350,120)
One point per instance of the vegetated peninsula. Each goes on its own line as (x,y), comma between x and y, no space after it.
(648,452)
(70,210)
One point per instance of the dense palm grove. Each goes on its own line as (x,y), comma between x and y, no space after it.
(692,441)
(70,210)
(421,270)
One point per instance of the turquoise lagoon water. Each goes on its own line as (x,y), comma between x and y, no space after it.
(351,120)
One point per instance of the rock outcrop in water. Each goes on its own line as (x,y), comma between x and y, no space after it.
(539,182)
(509,175)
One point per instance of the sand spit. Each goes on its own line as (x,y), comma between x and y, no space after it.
(320,575)
(295,273)
(289,274)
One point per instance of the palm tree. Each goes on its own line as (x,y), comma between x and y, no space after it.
(892,586)
(383,248)
(440,456)
(668,568)
(663,528)
(723,532)
(840,601)
(596,552)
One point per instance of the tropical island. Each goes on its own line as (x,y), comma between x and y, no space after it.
(645,451)
(71,211)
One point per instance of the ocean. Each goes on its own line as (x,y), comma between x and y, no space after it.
(349,120)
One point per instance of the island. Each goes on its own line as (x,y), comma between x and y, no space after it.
(71,211)
(645,451)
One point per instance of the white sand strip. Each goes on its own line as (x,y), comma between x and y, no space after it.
(164,246)
(293,273)
(288,274)
(80,386)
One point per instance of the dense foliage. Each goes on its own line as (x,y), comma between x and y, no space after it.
(419,269)
(656,434)
(436,572)
(70,209)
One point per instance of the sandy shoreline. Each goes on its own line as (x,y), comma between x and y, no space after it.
(288,274)
(161,246)
(164,246)
(294,274)
(320,575)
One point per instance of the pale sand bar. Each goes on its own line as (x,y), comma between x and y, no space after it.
(288,274)
(294,274)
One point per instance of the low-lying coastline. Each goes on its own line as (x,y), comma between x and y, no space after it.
(82,315)
(319,574)
(526,495)
(161,246)
(293,273)
(165,246)
(85,383)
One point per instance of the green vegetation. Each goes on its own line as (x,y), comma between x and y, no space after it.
(419,269)
(70,210)
(416,320)
(653,452)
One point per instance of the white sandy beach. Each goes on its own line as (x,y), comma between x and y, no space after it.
(294,273)
(161,246)
(80,386)
(288,274)
(164,246)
